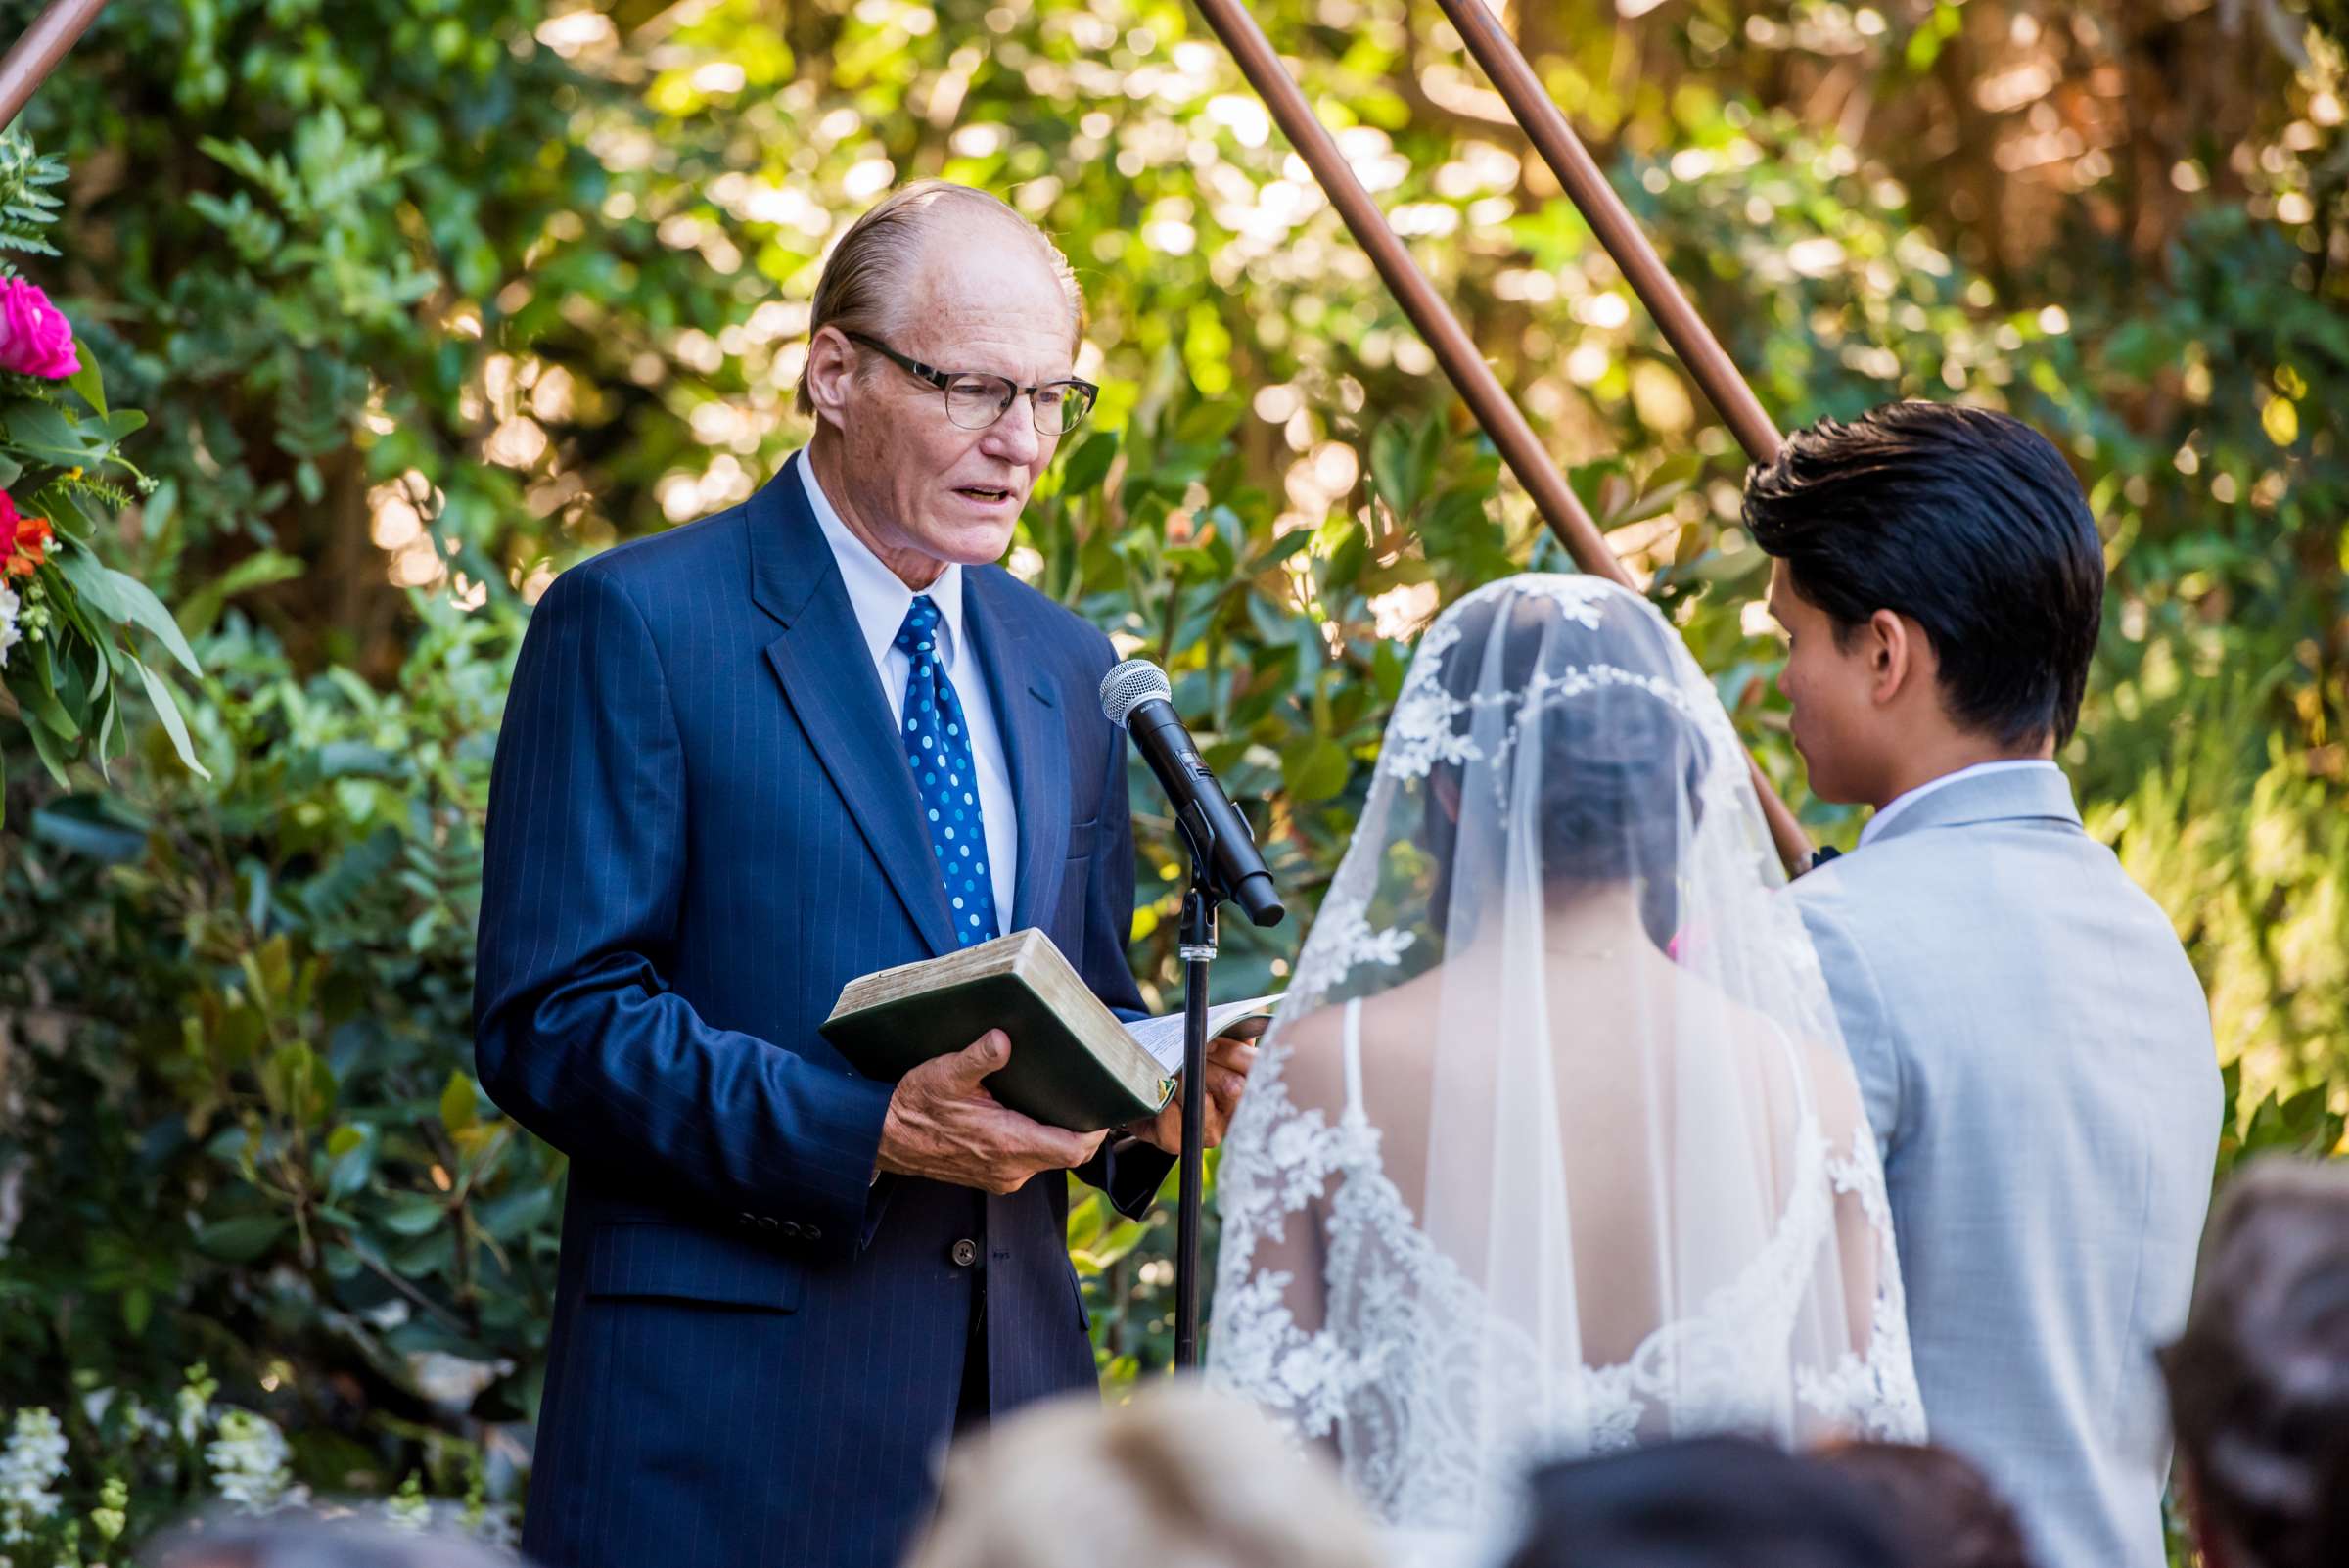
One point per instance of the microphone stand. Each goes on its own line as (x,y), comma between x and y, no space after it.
(1198,950)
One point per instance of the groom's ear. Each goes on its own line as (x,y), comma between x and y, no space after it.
(1899,656)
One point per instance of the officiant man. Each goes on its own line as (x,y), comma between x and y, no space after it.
(743,762)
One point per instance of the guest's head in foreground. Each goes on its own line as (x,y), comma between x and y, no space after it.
(1703,1503)
(2259,1381)
(941,375)
(1178,1478)
(1945,1512)
(308,1539)
(1940,581)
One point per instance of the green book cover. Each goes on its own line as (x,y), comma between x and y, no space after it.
(1073,1064)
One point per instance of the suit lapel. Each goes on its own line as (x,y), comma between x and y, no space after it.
(832,686)
(1035,738)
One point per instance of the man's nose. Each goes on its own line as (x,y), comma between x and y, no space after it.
(1013,438)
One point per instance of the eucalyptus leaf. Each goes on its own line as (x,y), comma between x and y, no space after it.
(123,598)
(166,709)
(46,432)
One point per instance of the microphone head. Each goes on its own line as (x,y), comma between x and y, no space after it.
(1131,684)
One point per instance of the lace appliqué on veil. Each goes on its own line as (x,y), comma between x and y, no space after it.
(1398,1410)
(1877,1393)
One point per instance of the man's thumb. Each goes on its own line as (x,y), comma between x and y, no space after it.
(984,1055)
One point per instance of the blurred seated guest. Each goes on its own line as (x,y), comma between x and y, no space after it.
(1945,1513)
(1703,1503)
(2259,1381)
(1179,1478)
(308,1539)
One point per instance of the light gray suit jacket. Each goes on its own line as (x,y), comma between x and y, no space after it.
(2036,1057)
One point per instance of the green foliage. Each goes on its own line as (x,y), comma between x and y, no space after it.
(72,627)
(281,955)
(27,205)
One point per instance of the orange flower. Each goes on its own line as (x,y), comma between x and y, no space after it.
(34,537)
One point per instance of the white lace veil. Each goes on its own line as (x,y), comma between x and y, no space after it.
(1554,1147)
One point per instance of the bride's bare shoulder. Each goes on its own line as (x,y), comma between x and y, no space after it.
(1312,1048)
(1314,1043)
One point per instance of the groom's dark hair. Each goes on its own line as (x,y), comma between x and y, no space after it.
(1969,522)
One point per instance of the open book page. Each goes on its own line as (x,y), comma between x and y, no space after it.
(1162,1037)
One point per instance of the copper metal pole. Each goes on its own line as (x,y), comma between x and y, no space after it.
(1563,151)
(1478,386)
(36,53)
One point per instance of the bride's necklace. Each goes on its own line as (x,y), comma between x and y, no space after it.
(1604,954)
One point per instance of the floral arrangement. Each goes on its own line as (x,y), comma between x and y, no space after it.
(143,1469)
(72,627)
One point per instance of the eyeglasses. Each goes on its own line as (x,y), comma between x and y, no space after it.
(975,400)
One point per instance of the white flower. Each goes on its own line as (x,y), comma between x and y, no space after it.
(193,1408)
(9,634)
(409,1508)
(452,1381)
(249,1462)
(32,1463)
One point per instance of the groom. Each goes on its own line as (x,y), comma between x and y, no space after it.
(745,761)
(2034,1048)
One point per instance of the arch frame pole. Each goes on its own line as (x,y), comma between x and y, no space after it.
(1453,349)
(37,50)
(1635,255)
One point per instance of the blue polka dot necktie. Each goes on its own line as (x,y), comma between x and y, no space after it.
(938,743)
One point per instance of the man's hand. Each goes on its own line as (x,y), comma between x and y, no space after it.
(1228,1060)
(943,1126)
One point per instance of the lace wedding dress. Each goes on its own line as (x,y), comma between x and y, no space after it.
(1554,1147)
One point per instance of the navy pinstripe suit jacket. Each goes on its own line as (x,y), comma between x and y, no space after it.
(702,825)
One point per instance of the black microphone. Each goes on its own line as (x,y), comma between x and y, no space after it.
(1136,696)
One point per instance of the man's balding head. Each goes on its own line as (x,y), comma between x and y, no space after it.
(929,238)
(937,289)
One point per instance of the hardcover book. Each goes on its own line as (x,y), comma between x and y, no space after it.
(1073,1063)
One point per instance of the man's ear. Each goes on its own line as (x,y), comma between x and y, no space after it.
(1898,656)
(831,365)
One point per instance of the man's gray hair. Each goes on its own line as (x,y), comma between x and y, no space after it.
(870,271)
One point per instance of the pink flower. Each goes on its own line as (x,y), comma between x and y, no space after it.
(36,339)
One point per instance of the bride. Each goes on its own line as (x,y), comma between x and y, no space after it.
(1553,1148)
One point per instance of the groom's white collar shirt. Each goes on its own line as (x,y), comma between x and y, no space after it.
(1901,802)
(880,598)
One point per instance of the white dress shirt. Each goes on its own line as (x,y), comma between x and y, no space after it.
(880,599)
(1899,803)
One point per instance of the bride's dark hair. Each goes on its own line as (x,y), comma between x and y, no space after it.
(1620,765)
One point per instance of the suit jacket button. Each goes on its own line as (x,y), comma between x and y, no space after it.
(746,1218)
(790,1227)
(965,1253)
(811,1232)
(768,1221)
